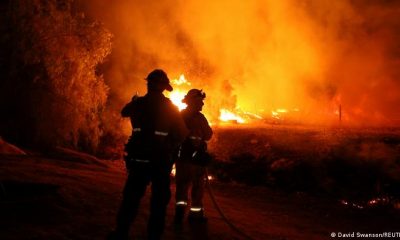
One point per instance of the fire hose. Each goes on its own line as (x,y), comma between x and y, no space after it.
(221,213)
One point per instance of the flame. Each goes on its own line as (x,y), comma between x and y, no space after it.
(227,116)
(179,92)
(181,85)
(176,97)
(173,171)
(277,113)
(253,115)
(181,81)
(351,204)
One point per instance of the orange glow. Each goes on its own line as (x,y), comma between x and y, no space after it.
(281,110)
(264,54)
(181,87)
(278,112)
(173,170)
(228,116)
(176,97)
(253,115)
(181,81)
(173,173)
(275,114)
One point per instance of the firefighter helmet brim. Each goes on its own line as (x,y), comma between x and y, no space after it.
(193,94)
(158,76)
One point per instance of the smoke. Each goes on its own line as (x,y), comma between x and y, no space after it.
(311,55)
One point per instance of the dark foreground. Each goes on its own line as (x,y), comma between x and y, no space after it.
(76,197)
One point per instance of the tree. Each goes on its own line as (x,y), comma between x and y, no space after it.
(51,91)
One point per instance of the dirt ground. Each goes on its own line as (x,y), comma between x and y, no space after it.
(76,197)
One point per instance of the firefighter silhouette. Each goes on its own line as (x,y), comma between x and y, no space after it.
(158,130)
(192,160)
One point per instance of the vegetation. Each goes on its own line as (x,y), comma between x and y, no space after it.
(51,89)
(352,164)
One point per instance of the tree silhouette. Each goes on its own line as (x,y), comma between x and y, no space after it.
(51,91)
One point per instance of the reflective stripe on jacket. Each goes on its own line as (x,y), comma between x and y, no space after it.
(158,128)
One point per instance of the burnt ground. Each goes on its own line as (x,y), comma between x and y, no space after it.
(57,197)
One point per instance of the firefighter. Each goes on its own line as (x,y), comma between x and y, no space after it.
(192,160)
(158,130)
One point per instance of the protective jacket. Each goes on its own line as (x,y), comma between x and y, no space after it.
(194,147)
(190,166)
(157,130)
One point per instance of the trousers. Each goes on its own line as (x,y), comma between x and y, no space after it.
(139,177)
(190,175)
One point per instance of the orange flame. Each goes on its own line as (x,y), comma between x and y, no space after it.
(277,113)
(182,85)
(176,97)
(228,116)
(179,91)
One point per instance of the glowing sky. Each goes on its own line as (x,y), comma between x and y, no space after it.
(312,54)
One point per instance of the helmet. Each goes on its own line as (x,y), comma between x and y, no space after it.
(194,93)
(158,76)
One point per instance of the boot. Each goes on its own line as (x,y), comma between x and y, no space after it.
(179,214)
(197,216)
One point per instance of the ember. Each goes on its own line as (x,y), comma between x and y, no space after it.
(372,203)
